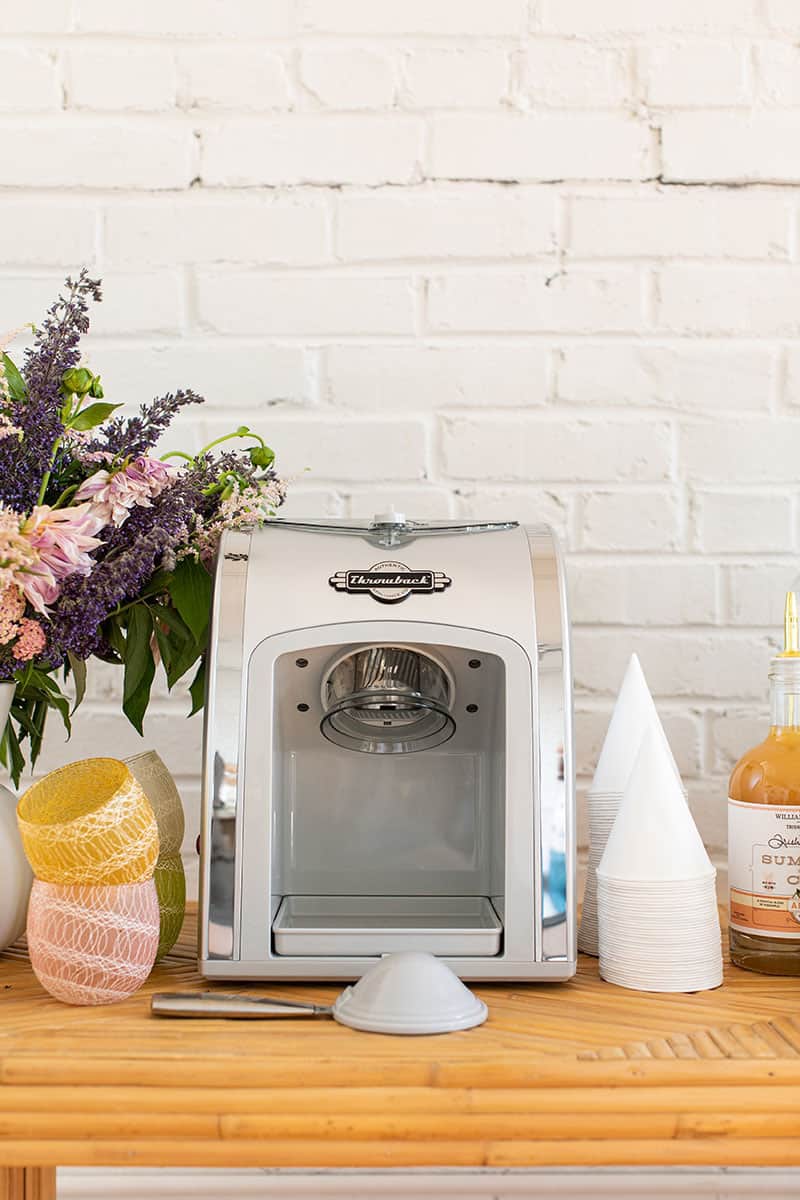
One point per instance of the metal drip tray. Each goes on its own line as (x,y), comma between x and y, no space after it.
(371,925)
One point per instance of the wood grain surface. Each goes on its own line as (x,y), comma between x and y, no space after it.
(568,1074)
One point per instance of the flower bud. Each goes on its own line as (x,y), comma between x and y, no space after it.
(96,390)
(77,380)
(262,456)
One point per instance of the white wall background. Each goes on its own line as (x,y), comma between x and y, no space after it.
(528,258)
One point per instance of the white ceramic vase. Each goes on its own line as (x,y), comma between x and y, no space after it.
(16,876)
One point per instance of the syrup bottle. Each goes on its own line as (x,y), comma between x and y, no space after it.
(764,827)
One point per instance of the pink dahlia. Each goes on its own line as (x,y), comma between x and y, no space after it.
(113,494)
(62,540)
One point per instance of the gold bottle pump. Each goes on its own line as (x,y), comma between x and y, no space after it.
(791,627)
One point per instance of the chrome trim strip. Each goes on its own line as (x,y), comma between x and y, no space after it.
(222,779)
(556,938)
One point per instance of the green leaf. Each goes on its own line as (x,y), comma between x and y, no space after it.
(95,414)
(14,758)
(190,590)
(78,668)
(140,667)
(16,384)
(197,688)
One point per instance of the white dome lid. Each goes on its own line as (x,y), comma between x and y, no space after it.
(410,993)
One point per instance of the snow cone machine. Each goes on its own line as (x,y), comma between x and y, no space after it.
(388,751)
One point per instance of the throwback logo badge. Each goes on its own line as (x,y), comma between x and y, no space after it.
(389,582)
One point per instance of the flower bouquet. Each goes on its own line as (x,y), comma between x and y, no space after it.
(106,549)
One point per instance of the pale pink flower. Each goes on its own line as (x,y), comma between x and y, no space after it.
(12,607)
(114,494)
(31,640)
(16,552)
(62,539)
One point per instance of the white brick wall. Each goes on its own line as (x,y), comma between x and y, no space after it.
(535,258)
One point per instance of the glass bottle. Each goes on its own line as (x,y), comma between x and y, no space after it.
(764,828)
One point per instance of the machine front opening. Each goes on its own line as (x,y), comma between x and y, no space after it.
(389,809)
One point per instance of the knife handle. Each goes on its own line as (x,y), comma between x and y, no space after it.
(220,1004)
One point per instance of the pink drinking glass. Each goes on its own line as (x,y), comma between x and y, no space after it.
(93,945)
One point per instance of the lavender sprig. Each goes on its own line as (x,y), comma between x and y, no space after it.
(131,436)
(24,462)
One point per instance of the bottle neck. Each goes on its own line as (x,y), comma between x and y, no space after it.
(785,694)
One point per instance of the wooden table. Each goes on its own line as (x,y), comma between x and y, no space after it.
(574,1074)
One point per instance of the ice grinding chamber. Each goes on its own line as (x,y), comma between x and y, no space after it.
(388,760)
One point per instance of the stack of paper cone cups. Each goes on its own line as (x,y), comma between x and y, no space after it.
(657,917)
(633,717)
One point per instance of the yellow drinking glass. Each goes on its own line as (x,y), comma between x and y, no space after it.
(89,823)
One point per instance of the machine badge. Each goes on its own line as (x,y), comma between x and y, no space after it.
(389,582)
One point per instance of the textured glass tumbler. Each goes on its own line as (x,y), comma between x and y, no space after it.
(93,945)
(170,882)
(159,787)
(89,823)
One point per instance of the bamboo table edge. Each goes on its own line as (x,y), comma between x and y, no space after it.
(212,1094)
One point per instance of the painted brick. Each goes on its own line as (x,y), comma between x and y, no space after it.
(684,375)
(23,298)
(304,501)
(664,593)
(230,374)
(683,665)
(586,17)
(573,300)
(29,80)
(166,731)
(704,224)
(721,299)
(778,65)
(783,15)
(133,80)
(528,505)
(240,79)
(426,503)
(348,79)
(735,732)
(531,148)
(329,447)
(46,232)
(435,377)
(91,153)
(148,302)
(253,302)
(311,149)
(469,221)
(572,74)
(714,452)
(792,392)
(756,591)
(507,447)
(684,732)
(414,16)
(46,16)
(722,147)
(692,74)
(632,521)
(273,228)
(743,522)
(187,18)
(457,78)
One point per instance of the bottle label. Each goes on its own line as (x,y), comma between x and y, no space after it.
(764,869)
